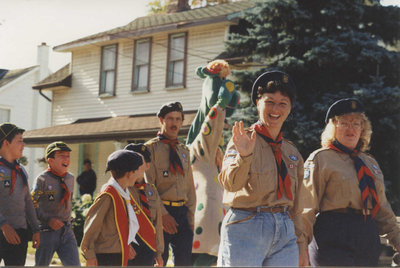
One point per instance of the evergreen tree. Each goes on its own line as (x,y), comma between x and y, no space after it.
(332,49)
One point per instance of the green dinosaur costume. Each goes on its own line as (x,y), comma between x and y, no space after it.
(218,101)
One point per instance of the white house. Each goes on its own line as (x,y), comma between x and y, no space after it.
(22,106)
(118,79)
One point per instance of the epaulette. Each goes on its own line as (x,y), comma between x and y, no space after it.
(290,142)
(153,140)
(313,154)
(184,146)
(370,156)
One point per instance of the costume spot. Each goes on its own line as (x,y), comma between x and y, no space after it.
(199,230)
(219,227)
(201,151)
(206,129)
(196,185)
(230,86)
(200,206)
(196,244)
(213,113)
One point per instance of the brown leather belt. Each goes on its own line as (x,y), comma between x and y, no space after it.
(265,209)
(351,211)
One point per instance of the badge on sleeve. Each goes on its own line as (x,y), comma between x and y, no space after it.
(184,155)
(165,173)
(150,193)
(51,197)
(293,157)
(7,183)
(306,173)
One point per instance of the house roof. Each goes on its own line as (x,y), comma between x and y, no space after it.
(102,129)
(62,77)
(162,22)
(11,75)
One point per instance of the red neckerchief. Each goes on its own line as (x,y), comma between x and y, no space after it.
(175,163)
(66,192)
(15,168)
(366,181)
(284,182)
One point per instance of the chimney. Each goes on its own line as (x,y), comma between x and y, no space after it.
(177,6)
(43,54)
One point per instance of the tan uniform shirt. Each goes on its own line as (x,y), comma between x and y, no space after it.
(155,206)
(100,230)
(253,180)
(171,187)
(331,182)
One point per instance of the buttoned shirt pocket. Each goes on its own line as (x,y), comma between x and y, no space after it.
(338,187)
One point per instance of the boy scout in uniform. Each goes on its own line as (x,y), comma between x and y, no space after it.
(111,223)
(52,197)
(150,202)
(16,205)
(171,172)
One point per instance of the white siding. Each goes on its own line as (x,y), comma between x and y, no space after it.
(82,101)
(28,110)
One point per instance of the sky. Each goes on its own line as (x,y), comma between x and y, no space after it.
(25,24)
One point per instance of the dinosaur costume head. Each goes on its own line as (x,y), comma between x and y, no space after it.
(216,88)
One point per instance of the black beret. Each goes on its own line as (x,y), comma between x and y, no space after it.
(282,78)
(6,129)
(170,107)
(141,149)
(344,106)
(124,161)
(56,146)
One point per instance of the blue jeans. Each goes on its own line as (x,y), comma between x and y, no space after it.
(266,239)
(63,242)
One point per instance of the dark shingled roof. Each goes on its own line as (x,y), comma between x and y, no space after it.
(160,22)
(11,75)
(62,77)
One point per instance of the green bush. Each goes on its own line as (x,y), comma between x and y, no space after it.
(80,208)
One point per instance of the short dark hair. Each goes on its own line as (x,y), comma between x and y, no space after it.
(117,174)
(8,131)
(87,161)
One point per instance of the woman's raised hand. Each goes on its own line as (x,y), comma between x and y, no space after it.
(243,143)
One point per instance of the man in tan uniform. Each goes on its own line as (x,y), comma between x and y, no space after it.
(171,173)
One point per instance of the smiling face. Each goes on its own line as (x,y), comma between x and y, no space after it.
(273,109)
(60,163)
(348,129)
(171,124)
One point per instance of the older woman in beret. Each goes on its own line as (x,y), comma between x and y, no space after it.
(345,187)
(262,176)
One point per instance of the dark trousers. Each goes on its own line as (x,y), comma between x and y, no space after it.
(344,239)
(14,255)
(144,255)
(109,259)
(181,242)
